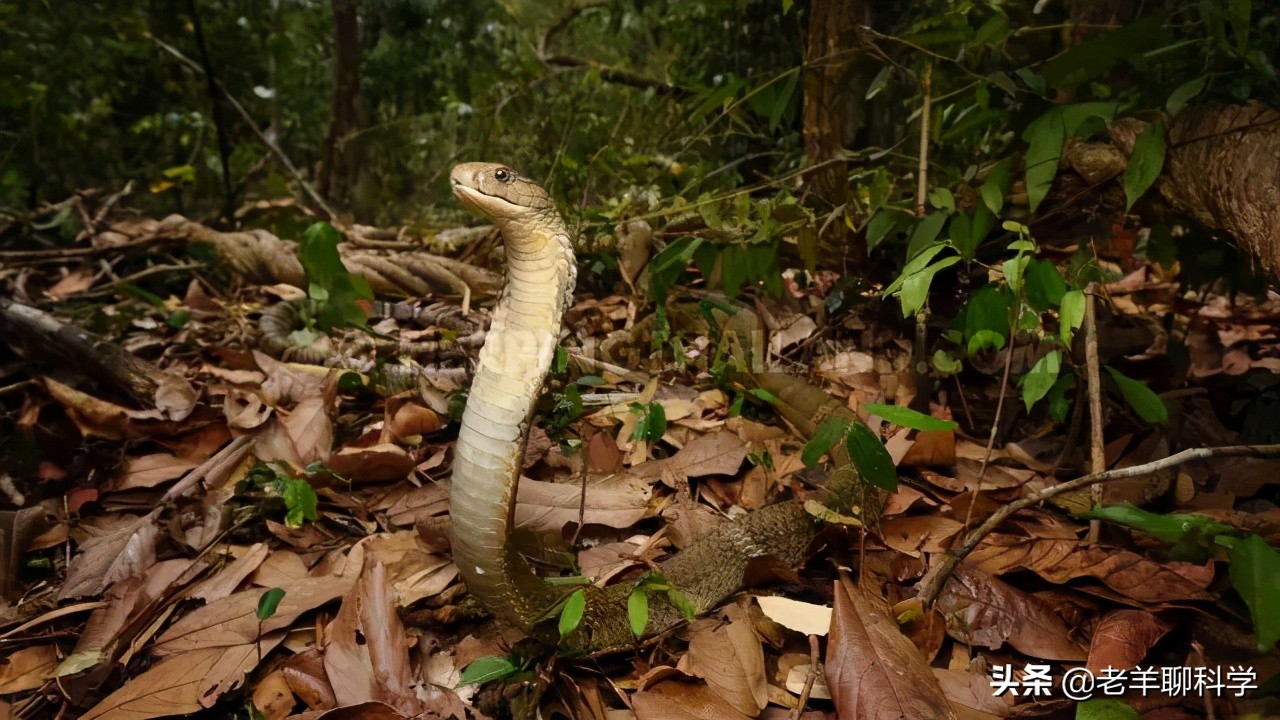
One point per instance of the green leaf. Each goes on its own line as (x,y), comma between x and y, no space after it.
(915,289)
(1013,271)
(925,233)
(880,225)
(668,266)
(988,311)
(908,418)
(871,458)
(946,363)
(880,80)
(1141,398)
(1045,286)
(942,199)
(1099,52)
(638,610)
(329,284)
(487,669)
(681,602)
(1070,314)
(575,606)
(1170,528)
(1040,379)
(1145,163)
(1105,709)
(301,501)
(1045,136)
(1255,574)
(268,602)
(996,186)
(1183,93)
(827,434)
(1059,405)
(984,339)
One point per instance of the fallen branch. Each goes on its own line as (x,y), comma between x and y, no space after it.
(931,585)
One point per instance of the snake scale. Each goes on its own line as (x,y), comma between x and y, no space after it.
(511,368)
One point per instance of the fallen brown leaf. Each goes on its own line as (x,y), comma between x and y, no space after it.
(125,550)
(27,668)
(983,610)
(873,671)
(1123,637)
(616,501)
(730,658)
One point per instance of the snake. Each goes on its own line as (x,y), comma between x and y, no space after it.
(511,367)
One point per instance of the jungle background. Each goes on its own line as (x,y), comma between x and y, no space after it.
(1050,229)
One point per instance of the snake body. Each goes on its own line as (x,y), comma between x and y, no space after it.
(488,455)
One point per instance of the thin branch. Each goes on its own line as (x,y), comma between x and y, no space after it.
(619,76)
(931,585)
(284,160)
(1093,372)
(219,116)
(926,112)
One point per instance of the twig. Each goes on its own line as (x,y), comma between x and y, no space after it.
(262,136)
(995,428)
(931,585)
(153,270)
(809,679)
(922,170)
(1097,450)
(219,116)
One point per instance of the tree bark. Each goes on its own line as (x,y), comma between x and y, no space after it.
(829,109)
(340,165)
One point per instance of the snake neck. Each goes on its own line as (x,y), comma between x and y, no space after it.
(489,453)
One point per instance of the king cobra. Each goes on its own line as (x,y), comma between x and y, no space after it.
(489,453)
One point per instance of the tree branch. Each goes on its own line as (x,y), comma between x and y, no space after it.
(931,585)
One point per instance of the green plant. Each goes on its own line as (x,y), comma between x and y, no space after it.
(865,449)
(1255,565)
(333,293)
(276,486)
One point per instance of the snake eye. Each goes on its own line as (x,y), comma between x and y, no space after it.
(502,175)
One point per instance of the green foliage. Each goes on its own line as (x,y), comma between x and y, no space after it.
(488,669)
(278,488)
(1255,565)
(1255,574)
(332,290)
(571,614)
(653,421)
(866,450)
(1105,709)
(1145,163)
(651,583)
(1141,398)
(268,603)
(908,418)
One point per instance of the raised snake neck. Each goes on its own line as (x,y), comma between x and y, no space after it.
(511,367)
(488,455)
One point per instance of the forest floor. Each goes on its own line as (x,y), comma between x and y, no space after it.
(144,531)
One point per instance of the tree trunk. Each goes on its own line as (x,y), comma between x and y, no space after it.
(830,111)
(340,165)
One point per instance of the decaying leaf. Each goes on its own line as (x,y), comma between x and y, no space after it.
(616,501)
(874,672)
(982,610)
(729,657)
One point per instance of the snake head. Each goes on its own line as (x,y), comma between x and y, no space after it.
(500,193)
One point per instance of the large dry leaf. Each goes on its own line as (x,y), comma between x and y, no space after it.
(95,417)
(127,550)
(367,655)
(913,533)
(983,610)
(1123,637)
(225,581)
(1125,572)
(290,382)
(718,453)
(151,470)
(184,683)
(233,620)
(616,501)
(873,671)
(378,463)
(730,658)
(680,700)
(27,669)
(970,695)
